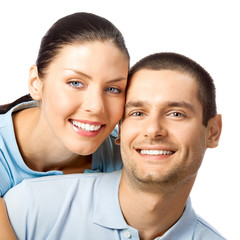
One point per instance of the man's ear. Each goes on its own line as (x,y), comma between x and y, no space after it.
(34,83)
(214,129)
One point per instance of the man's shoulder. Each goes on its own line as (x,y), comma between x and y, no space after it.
(75,186)
(63,179)
(85,179)
(204,230)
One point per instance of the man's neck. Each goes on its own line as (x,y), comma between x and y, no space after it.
(152,213)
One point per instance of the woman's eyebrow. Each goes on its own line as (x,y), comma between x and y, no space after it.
(89,77)
(78,72)
(118,79)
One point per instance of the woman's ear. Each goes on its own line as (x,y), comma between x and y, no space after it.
(35,84)
(214,129)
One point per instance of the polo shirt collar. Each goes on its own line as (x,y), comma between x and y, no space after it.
(107,211)
(185,227)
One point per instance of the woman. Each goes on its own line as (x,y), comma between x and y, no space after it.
(77,90)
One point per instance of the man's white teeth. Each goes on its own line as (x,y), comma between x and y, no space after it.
(85,126)
(155,152)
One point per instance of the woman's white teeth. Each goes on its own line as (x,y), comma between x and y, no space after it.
(155,152)
(85,126)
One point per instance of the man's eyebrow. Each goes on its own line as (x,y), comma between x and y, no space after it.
(181,104)
(134,104)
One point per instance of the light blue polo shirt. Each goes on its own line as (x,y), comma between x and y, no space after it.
(86,207)
(13,169)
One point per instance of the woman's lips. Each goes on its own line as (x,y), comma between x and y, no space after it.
(86,128)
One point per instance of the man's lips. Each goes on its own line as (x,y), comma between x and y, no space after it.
(87,126)
(155,150)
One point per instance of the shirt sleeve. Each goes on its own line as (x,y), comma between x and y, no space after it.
(5,183)
(18,207)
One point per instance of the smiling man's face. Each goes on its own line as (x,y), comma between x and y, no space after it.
(162,136)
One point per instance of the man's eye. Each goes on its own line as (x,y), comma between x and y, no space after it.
(137,114)
(113,90)
(75,84)
(177,114)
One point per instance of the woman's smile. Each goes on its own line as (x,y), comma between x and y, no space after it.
(86,128)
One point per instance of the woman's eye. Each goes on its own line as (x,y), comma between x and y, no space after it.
(76,84)
(113,90)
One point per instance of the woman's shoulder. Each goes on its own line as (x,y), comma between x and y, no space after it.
(8,107)
(11,163)
(7,110)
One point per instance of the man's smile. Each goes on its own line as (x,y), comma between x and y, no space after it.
(155,152)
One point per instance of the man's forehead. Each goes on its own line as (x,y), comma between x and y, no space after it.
(163,72)
(167,86)
(160,80)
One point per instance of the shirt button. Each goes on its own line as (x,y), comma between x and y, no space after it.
(127,234)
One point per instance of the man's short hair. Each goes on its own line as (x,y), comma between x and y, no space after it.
(177,62)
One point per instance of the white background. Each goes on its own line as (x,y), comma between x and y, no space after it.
(204,30)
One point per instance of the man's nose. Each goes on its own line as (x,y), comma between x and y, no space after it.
(154,127)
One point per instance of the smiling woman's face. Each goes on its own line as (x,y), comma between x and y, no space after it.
(83,94)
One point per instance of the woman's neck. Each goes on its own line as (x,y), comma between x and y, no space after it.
(40,150)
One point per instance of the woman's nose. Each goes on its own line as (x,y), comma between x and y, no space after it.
(93,102)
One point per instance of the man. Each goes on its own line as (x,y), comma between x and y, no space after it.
(170,120)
